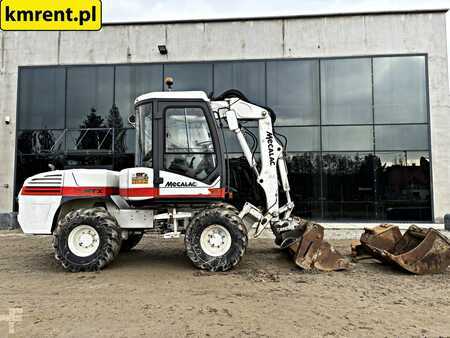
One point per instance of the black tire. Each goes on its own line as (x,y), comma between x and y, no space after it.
(133,239)
(109,239)
(216,205)
(227,218)
(224,206)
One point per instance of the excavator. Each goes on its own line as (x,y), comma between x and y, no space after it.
(178,187)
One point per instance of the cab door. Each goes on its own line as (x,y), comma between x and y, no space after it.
(190,164)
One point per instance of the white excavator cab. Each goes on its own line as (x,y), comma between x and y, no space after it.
(179,152)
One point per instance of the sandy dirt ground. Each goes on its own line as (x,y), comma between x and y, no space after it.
(154,291)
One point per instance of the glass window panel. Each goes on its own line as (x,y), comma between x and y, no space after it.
(403,186)
(89,140)
(347,138)
(346,90)
(348,185)
(187,131)
(42,98)
(301,138)
(145,135)
(197,166)
(400,89)
(40,141)
(133,81)
(194,76)
(401,137)
(232,142)
(304,178)
(90,97)
(123,161)
(293,91)
(125,141)
(88,161)
(248,77)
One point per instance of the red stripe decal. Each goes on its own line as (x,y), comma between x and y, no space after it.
(108,191)
(89,191)
(69,191)
(41,191)
(155,192)
(139,192)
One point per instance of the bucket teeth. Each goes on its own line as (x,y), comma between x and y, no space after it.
(310,251)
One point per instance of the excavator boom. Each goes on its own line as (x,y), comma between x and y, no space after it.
(304,240)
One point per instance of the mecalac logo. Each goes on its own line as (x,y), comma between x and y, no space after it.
(269,139)
(180,184)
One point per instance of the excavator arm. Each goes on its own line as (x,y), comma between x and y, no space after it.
(272,170)
(303,239)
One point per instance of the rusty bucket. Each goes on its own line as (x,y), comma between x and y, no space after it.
(311,251)
(419,251)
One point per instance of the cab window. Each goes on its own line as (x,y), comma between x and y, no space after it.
(189,149)
(144,126)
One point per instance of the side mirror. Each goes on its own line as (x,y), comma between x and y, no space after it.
(132,120)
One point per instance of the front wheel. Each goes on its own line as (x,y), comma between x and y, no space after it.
(216,239)
(87,240)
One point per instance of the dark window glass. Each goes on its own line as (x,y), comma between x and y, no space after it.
(345,181)
(348,185)
(346,91)
(133,81)
(347,138)
(403,186)
(401,137)
(29,165)
(232,142)
(248,77)
(123,161)
(304,178)
(125,141)
(90,98)
(42,98)
(87,161)
(195,76)
(40,141)
(301,138)
(293,91)
(400,89)
(89,140)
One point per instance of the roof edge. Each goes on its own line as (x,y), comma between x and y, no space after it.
(281,17)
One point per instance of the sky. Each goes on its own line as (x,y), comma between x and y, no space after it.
(157,10)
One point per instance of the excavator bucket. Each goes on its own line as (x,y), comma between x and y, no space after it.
(311,251)
(419,251)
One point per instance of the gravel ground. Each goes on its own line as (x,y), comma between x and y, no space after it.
(154,291)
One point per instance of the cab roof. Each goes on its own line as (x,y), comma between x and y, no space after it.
(191,95)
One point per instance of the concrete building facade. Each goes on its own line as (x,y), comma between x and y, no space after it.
(413,33)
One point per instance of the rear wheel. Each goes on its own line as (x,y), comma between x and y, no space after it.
(86,240)
(216,239)
(133,239)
